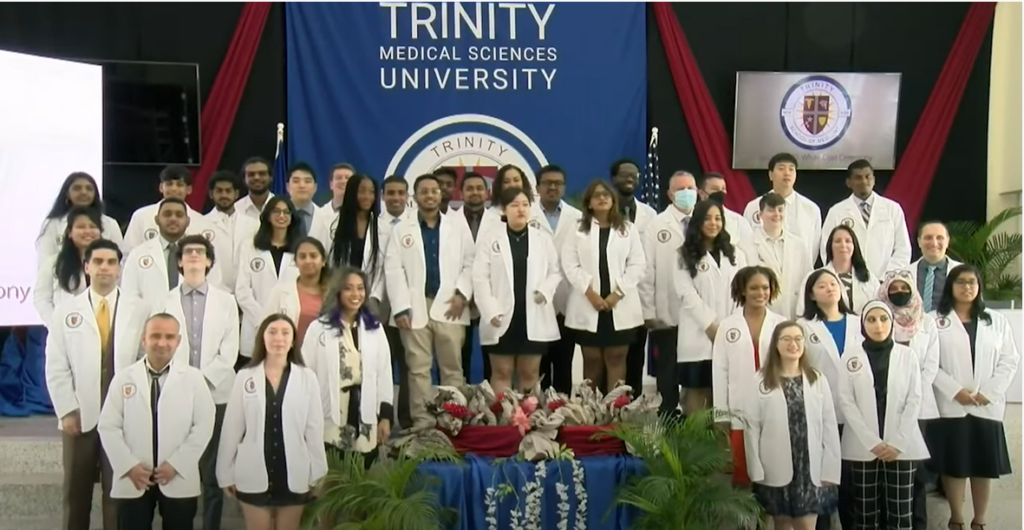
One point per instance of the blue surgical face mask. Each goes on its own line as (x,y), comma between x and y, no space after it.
(685,199)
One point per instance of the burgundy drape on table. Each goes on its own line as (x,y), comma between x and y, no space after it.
(709,137)
(218,114)
(916,168)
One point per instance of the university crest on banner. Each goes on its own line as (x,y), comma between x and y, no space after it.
(468,86)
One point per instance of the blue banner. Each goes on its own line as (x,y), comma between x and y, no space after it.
(405,88)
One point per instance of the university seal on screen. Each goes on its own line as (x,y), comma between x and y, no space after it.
(816,112)
(466,142)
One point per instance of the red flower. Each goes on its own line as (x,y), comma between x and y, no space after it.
(621,401)
(456,410)
(556,404)
(496,406)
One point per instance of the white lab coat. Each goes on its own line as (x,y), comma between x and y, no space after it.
(733,374)
(73,356)
(405,270)
(791,269)
(926,345)
(767,442)
(246,207)
(803,218)
(659,293)
(491,221)
(626,266)
(256,278)
(741,234)
(48,294)
(996,361)
(185,416)
(219,350)
(240,458)
(321,347)
(885,241)
(644,215)
(494,281)
(376,276)
(51,235)
(324,225)
(863,292)
(706,299)
(568,221)
(821,349)
(226,233)
(902,407)
(145,272)
(283,299)
(142,226)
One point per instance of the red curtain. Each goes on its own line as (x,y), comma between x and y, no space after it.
(914,173)
(220,108)
(706,128)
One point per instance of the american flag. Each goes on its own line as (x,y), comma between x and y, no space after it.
(650,183)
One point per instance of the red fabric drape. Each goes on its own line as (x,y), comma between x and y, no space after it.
(706,128)
(220,108)
(916,169)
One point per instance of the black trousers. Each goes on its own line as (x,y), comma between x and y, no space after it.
(177,514)
(877,483)
(467,352)
(398,358)
(667,368)
(635,361)
(922,478)
(213,496)
(845,507)
(556,365)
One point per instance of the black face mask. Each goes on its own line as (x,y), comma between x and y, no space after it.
(718,196)
(899,299)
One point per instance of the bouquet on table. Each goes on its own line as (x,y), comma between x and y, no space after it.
(535,426)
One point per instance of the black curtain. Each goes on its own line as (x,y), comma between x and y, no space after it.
(186,32)
(912,39)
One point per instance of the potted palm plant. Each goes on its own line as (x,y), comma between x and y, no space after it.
(392,494)
(993,252)
(686,486)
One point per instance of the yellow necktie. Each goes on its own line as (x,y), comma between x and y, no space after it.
(103,322)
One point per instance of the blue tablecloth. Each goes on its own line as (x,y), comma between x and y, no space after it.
(464,487)
(22,374)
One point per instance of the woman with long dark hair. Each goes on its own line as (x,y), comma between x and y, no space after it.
(604,262)
(271,449)
(349,352)
(62,276)
(845,258)
(880,396)
(707,263)
(356,240)
(508,176)
(515,275)
(79,189)
(263,261)
(978,360)
(792,441)
(302,299)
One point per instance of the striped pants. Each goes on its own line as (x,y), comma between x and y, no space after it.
(889,482)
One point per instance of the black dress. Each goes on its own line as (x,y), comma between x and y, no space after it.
(971,446)
(800,497)
(516,341)
(607,336)
(277,493)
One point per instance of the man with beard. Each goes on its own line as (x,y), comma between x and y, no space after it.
(151,270)
(474,192)
(446,179)
(227,225)
(256,172)
(625,174)
(175,183)
(713,187)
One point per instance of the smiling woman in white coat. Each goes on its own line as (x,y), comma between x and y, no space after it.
(79,189)
(604,262)
(707,263)
(515,275)
(831,329)
(844,258)
(272,445)
(263,261)
(164,398)
(62,276)
(880,395)
(792,440)
(977,362)
(302,298)
(741,345)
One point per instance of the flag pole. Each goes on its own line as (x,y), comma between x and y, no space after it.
(280,139)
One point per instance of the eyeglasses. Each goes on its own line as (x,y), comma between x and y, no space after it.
(602,195)
(284,213)
(194,250)
(549,184)
(791,340)
(966,283)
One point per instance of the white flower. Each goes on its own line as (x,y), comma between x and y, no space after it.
(534,494)
(491,502)
(579,487)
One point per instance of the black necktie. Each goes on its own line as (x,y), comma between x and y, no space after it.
(154,399)
(172,266)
